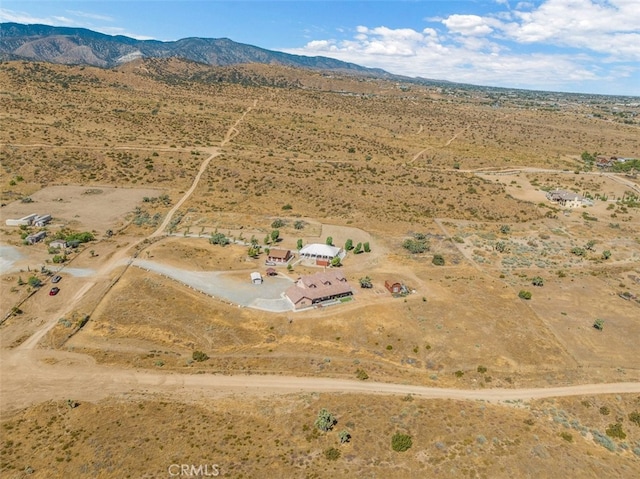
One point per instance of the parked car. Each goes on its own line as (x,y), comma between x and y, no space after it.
(56,278)
(270,263)
(54,291)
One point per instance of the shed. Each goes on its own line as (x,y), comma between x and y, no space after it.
(271,272)
(256,278)
(393,286)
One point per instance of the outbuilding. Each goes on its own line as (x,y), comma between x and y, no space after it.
(256,278)
(394,287)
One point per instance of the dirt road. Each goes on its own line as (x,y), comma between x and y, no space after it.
(38,376)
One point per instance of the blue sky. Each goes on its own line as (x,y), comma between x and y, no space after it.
(589,46)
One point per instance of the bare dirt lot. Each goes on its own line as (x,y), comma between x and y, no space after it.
(95,208)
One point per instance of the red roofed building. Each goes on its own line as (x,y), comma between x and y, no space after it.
(319,287)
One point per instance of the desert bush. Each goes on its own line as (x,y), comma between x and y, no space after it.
(566,436)
(401,442)
(605,411)
(524,294)
(416,245)
(615,431)
(482,369)
(344,436)
(218,238)
(438,260)
(34,282)
(199,356)
(537,281)
(277,223)
(362,375)
(325,420)
(332,454)
(459,373)
(634,417)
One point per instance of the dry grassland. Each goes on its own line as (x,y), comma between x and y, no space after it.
(141,437)
(366,160)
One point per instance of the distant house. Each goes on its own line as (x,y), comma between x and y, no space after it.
(36,237)
(322,254)
(319,287)
(26,221)
(394,287)
(565,198)
(42,220)
(256,278)
(58,244)
(279,256)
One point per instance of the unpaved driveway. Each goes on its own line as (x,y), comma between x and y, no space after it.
(229,286)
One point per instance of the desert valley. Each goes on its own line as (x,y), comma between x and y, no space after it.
(197,261)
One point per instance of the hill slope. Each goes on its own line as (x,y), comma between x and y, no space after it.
(81,46)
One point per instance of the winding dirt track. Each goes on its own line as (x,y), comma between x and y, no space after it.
(30,376)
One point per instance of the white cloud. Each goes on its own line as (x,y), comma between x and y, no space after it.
(467,24)
(92,16)
(522,48)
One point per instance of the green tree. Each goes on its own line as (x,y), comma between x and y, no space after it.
(335,262)
(348,245)
(367,248)
(590,246)
(416,245)
(34,282)
(344,436)
(358,249)
(325,420)
(438,260)
(275,234)
(299,245)
(401,442)
(253,251)
(537,281)
(218,238)
(524,294)
(329,241)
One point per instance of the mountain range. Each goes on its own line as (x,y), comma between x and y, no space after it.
(80,46)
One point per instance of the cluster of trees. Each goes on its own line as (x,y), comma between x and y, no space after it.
(418,244)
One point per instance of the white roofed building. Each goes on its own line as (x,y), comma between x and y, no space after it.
(322,254)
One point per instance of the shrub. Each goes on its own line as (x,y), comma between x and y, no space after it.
(505,229)
(566,436)
(332,454)
(401,442)
(299,224)
(438,260)
(635,417)
(459,373)
(344,436)
(482,369)
(524,294)
(218,238)
(325,420)
(367,247)
(199,356)
(285,207)
(605,411)
(277,223)
(537,281)
(416,245)
(34,282)
(362,375)
(606,254)
(615,430)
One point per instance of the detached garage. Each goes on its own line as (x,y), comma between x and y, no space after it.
(256,278)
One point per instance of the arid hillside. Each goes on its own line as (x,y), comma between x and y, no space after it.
(488,275)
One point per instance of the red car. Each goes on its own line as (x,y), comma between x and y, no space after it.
(54,291)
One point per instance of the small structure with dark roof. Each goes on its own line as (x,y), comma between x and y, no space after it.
(279,256)
(394,287)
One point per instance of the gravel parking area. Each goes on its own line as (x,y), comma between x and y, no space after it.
(267,296)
